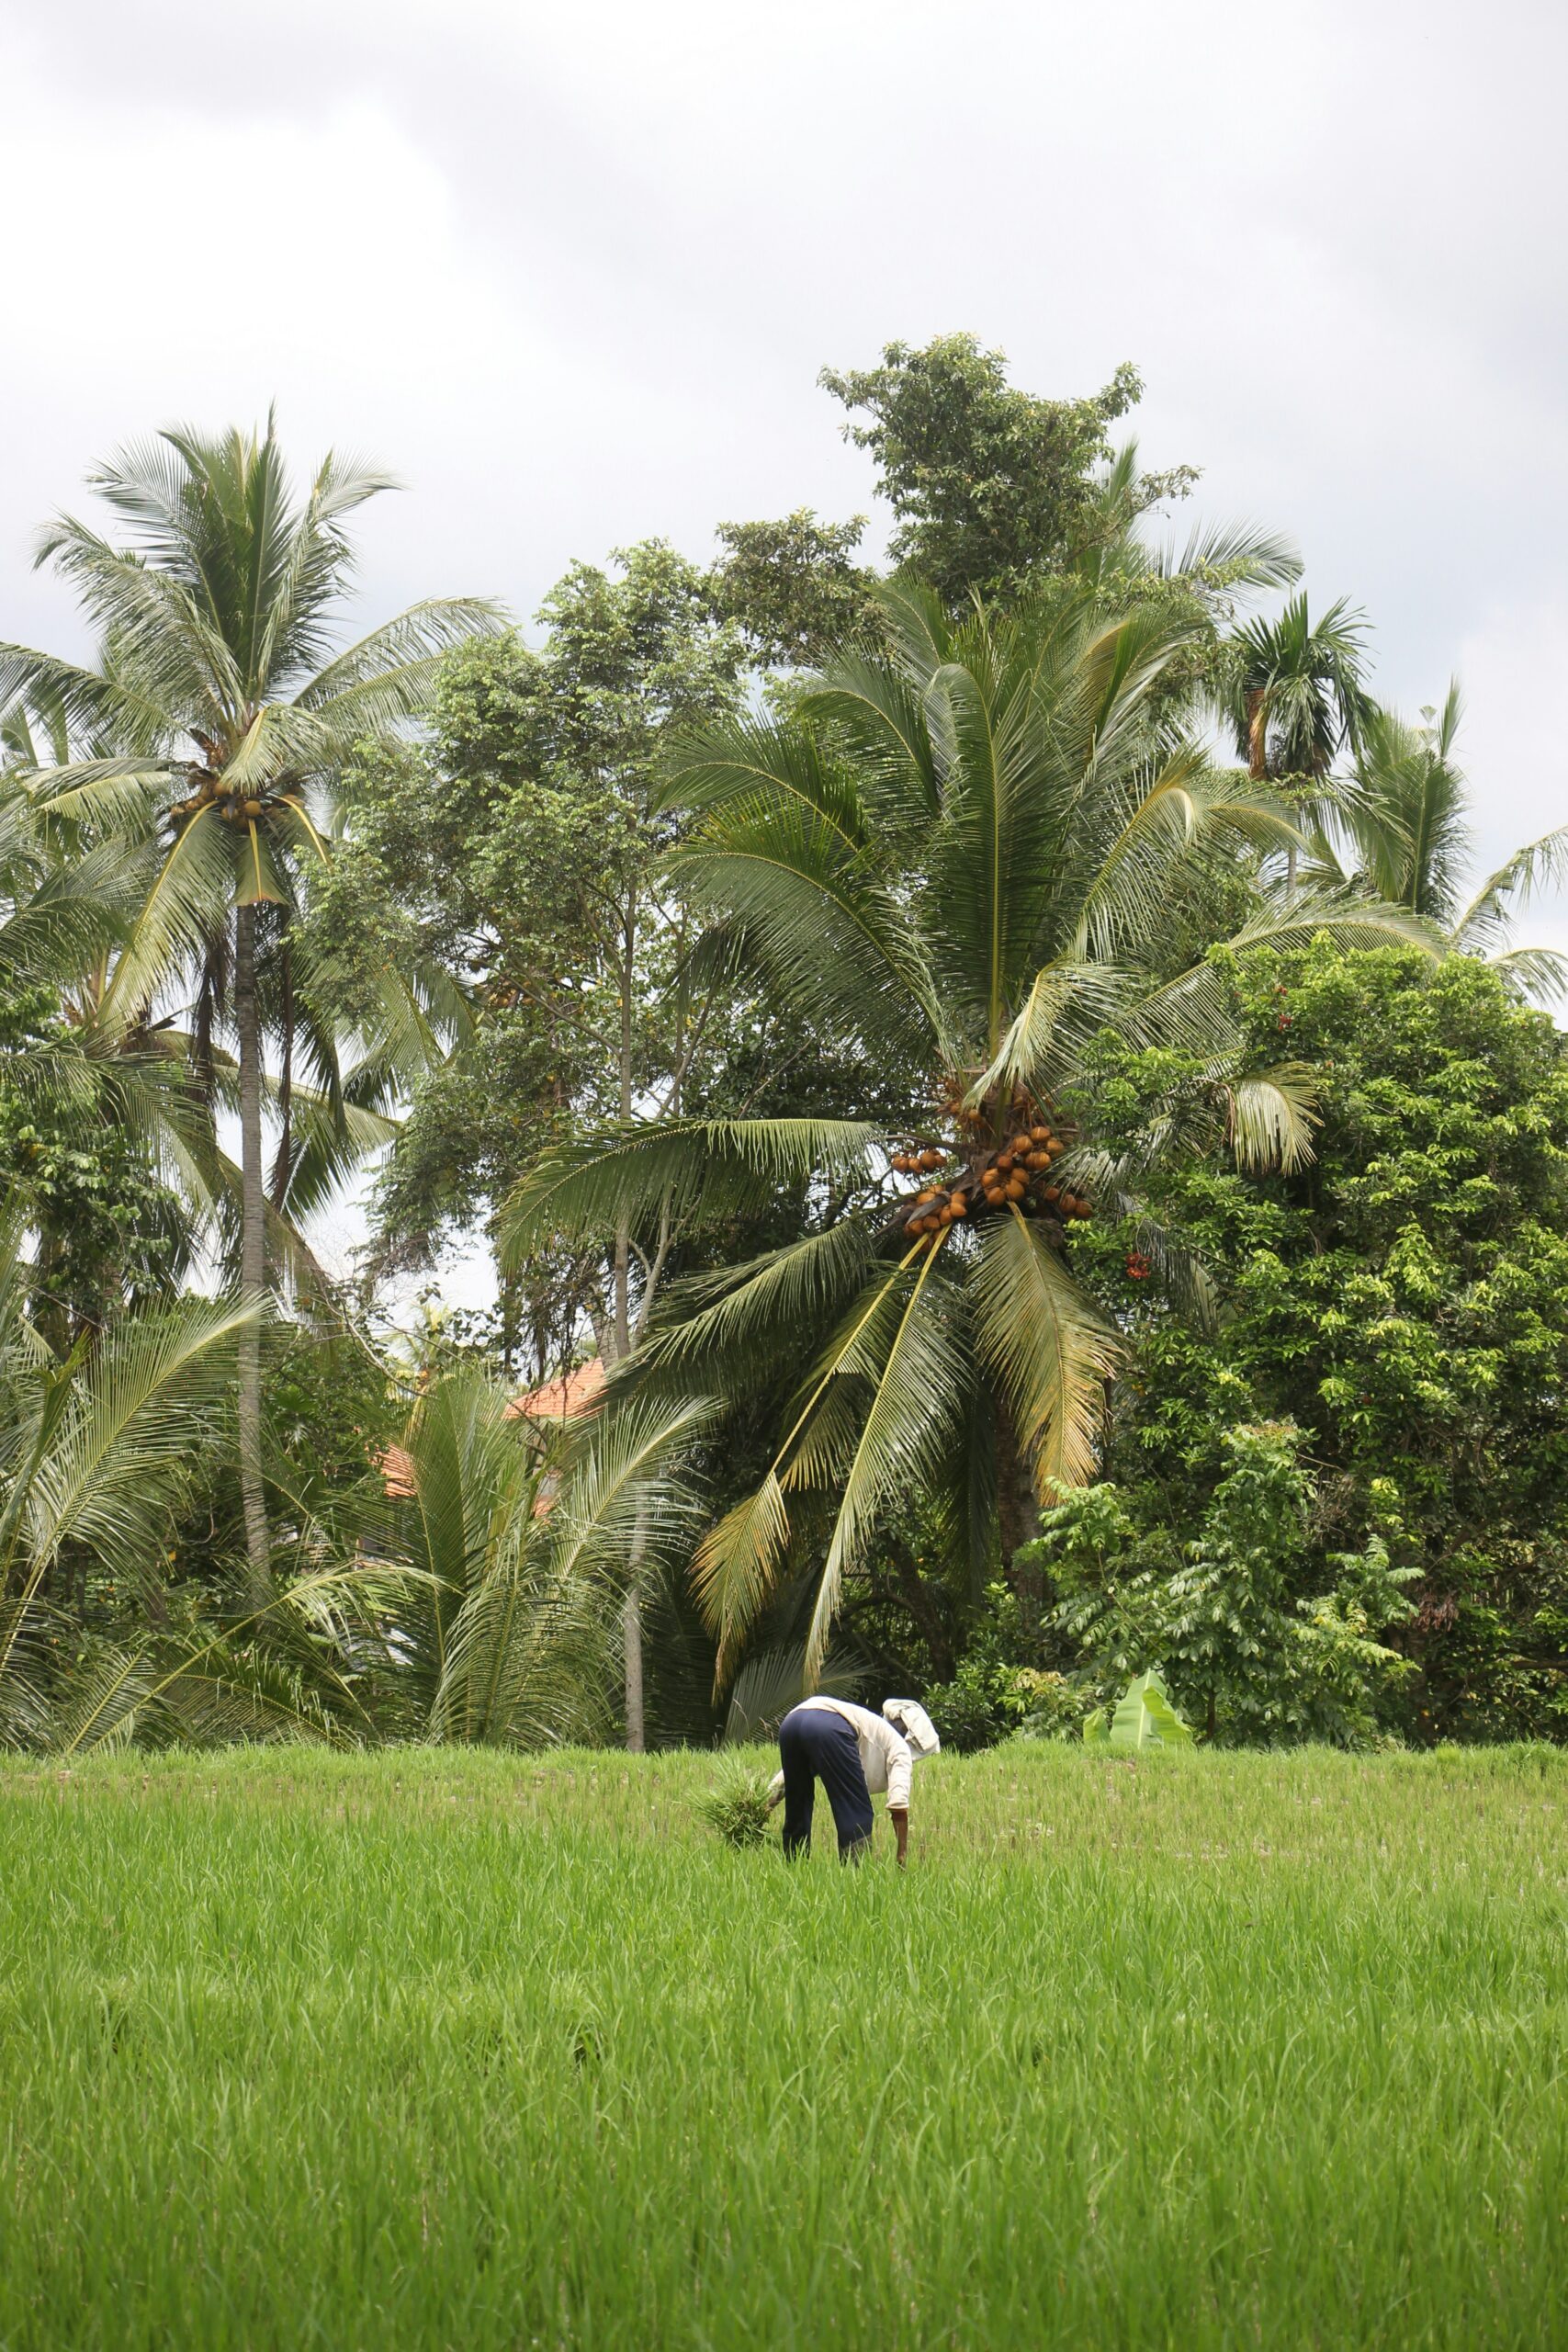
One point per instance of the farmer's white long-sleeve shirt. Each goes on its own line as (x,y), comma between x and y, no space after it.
(887,1761)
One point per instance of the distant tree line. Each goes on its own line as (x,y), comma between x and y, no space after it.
(998,1057)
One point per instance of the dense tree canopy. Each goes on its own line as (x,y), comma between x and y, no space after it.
(1401,1300)
(1058,1197)
(956,857)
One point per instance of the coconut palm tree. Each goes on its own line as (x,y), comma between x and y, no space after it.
(1110,548)
(64,905)
(230,714)
(1401,826)
(958,859)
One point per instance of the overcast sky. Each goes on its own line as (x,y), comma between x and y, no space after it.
(572,270)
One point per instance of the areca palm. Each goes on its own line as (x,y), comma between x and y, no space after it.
(957,859)
(229,713)
(1291,692)
(1402,825)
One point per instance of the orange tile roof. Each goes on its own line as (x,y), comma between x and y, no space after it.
(563,1400)
(396,1466)
(558,1400)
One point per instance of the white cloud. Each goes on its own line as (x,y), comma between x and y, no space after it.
(1512,749)
(572,272)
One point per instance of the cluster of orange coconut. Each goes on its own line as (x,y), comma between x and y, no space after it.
(1012,1173)
(233,806)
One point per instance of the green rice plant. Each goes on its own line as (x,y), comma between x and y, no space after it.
(737,1804)
(428,2047)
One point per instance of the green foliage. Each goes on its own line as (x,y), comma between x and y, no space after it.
(1402,825)
(993,1691)
(737,1804)
(793,587)
(99,1448)
(1404,1297)
(1248,1652)
(521,848)
(678,974)
(991,485)
(496,1568)
(76,1171)
(461,2048)
(955,860)
(331,1408)
(1142,1718)
(1290,689)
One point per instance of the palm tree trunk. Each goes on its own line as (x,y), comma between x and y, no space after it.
(631,1630)
(1257,734)
(631,1614)
(253,1248)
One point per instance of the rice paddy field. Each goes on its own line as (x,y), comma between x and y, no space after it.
(468,2051)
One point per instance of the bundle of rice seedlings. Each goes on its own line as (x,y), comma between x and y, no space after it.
(737,1804)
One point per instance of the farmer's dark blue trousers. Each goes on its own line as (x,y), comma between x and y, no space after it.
(817,1746)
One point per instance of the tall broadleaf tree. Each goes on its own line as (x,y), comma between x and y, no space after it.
(522,847)
(229,705)
(962,856)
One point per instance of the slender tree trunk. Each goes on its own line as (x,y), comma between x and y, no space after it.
(252,1247)
(631,1614)
(624,1075)
(509,1320)
(1257,735)
(631,1632)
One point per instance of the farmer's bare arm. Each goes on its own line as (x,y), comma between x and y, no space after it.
(899,1817)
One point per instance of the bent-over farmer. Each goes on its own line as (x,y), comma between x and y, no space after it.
(853,1753)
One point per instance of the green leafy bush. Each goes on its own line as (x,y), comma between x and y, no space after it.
(993,1691)
(1403,1301)
(1250,1657)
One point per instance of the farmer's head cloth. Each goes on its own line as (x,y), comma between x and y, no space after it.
(912,1724)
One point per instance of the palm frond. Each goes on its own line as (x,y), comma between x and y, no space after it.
(1272,1116)
(916,1406)
(1049,1348)
(701,1165)
(1540,864)
(121,1450)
